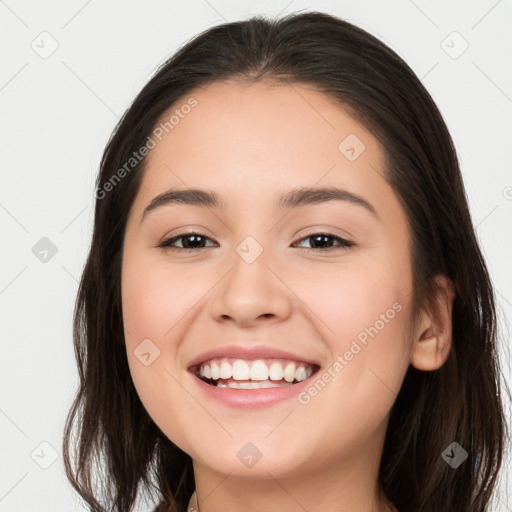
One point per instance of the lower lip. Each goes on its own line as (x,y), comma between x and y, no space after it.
(250,398)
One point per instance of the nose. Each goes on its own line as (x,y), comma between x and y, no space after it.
(251,294)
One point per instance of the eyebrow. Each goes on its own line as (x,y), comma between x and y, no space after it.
(291,199)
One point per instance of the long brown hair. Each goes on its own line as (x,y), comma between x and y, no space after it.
(118,450)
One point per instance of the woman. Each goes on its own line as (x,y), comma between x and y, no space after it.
(285,306)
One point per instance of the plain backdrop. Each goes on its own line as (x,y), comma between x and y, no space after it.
(70,69)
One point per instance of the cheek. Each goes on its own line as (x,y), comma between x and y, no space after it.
(152,305)
(347,300)
(154,298)
(353,394)
(363,315)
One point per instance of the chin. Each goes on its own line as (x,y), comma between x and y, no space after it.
(247,461)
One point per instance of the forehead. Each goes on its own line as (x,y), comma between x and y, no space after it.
(261,139)
(246,117)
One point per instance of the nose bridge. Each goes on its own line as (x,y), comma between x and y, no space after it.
(250,290)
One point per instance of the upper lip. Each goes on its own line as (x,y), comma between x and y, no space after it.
(249,353)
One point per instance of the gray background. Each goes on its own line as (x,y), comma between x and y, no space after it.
(58,110)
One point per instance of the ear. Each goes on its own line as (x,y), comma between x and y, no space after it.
(433,336)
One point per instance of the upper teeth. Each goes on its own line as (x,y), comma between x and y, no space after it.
(238,369)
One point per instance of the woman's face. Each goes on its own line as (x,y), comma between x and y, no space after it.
(262,276)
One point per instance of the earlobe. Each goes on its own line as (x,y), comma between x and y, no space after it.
(433,338)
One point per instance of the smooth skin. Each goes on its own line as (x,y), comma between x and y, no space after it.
(250,143)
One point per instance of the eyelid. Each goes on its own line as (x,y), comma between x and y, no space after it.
(314,229)
(187,230)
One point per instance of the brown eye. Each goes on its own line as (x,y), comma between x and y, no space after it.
(194,241)
(190,242)
(323,242)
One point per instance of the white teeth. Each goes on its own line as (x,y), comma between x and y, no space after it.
(215,370)
(300,373)
(240,370)
(226,371)
(258,371)
(252,385)
(289,372)
(276,371)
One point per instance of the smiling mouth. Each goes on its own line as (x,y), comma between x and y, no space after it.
(257,374)
(248,384)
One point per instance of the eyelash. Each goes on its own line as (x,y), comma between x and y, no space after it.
(344,244)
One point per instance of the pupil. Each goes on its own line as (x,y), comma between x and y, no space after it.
(317,237)
(187,245)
